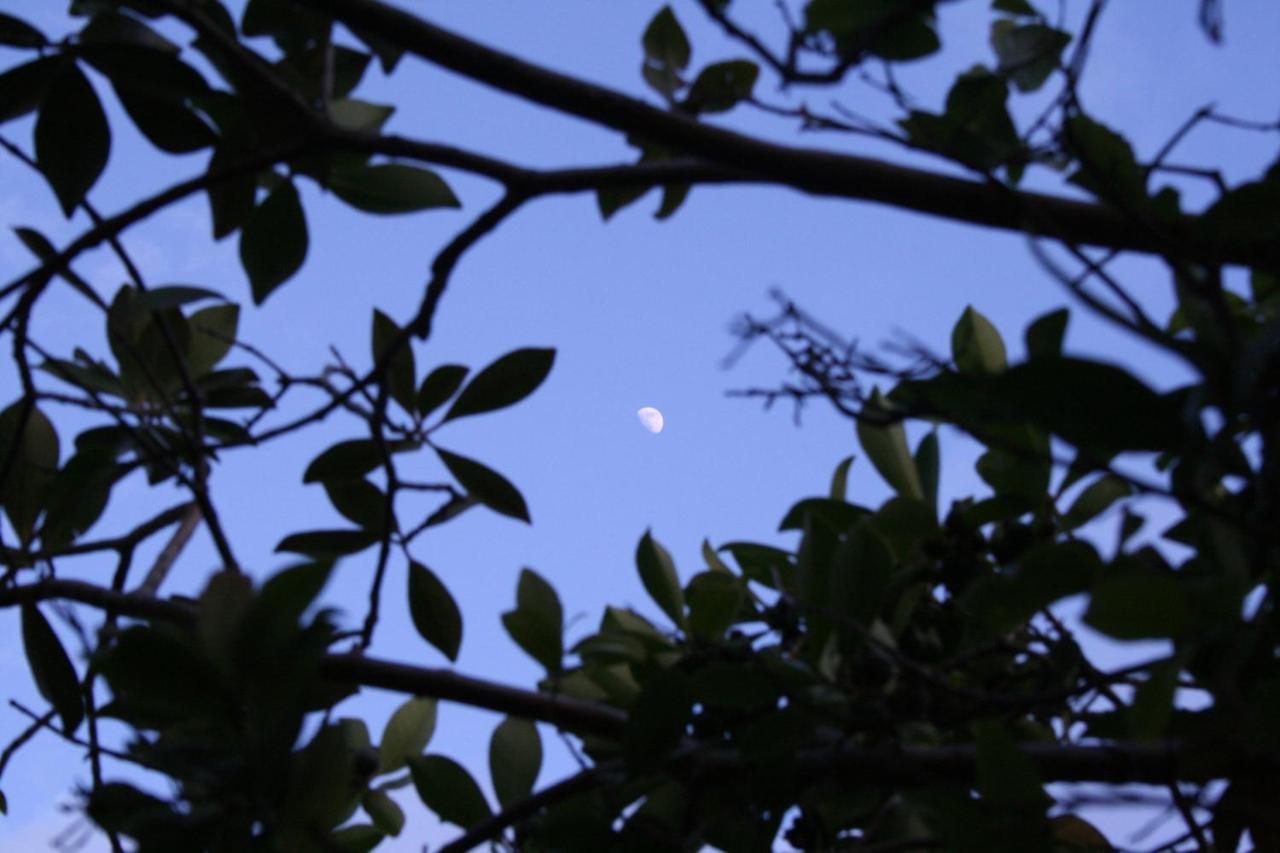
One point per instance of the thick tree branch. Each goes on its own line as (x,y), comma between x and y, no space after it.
(812,170)
(904,767)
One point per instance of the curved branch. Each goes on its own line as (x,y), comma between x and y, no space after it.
(812,170)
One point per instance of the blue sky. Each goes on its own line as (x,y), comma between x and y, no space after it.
(638,311)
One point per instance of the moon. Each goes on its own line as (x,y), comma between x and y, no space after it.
(650,419)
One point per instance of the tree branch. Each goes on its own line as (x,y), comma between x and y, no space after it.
(812,170)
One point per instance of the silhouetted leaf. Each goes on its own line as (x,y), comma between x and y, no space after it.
(506,381)
(1141,607)
(212,331)
(537,623)
(29,438)
(840,479)
(72,137)
(391,188)
(434,612)
(1044,336)
(515,757)
(1095,499)
(666,50)
(273,244)
(976,345)
(359,501)
(54,675)
(401,371)
(328,543)
(407,733)
(1028,53)
(715,600)
(658,574)
(440,384)
(23,87)
(448,790)
(721,86)
(884,441)
(18,33)
(385,813)
(494,490)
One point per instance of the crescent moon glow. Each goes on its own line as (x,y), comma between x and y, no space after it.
(650,419)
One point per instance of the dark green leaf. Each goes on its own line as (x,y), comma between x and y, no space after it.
(391,188)
(328,543)
(838,515)
(385,813)
(494,490)
(364,117)
(359,501)
(928,461)
(506,381)
(1028,53)
(863,567)
(435,613)
(273,244)
(537,623)
(1095,499)
(54,675)
(1045,334)
(666,50)
(72,137)
(111,27)
(609,200)
(1006,777)
(448,790)
(515,757)
(28,437)
(721,86)
(401,372)
(658,574)
(407,733)
(23,87)
(658,719)
(1152,706)
(78,494)
(1140,607)
(1247,214)
(357,838)
(976,346)
(440,384)
(230,199)
(1108,168)
(884,441)
(840,479)
(169,126)
(213,330)
(715,601)
(18,33)
(351,460)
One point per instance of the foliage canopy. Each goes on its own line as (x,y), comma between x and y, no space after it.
(896,681)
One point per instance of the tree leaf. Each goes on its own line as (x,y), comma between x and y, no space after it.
(212,331)
(515,757)
(494,490)
(1094,500)
(1028,53)
(435,614)
(440,384)
(273,244)
(1006,777)
(1141,607)
(73,139)
(506,381)
(840,479)
(18,33)
(658,574)
(862,569)
(407,733)
(33,445)
(976,345)
(537,623)
(389,188)
(356,838)
(884,441)
(401,371)
(23,87)
(666,50)
(715,601)
(385,813)
(54,675)
(350,460)
(722,85)
(169,126)
(1045,334)
(448,790)
(359,501)
(328,543)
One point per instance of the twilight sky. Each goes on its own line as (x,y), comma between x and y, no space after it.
(638,310)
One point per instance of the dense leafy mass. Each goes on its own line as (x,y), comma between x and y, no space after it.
(897,680)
